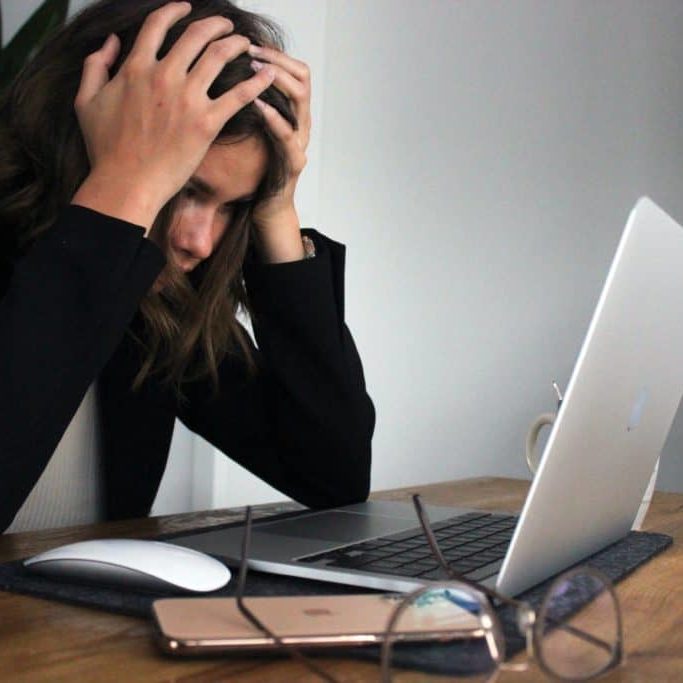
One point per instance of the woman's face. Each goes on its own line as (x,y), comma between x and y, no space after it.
(229,174)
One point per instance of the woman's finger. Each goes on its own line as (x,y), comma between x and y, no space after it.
(299,69)
(294,89)
(298,94)
(292,77)
(239,96)
(214,59)
(276,122)
(96,70)
(154,29)
(292,140)
(193,40)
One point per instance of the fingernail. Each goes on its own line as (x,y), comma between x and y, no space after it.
(260,104)
(270,72)
(256,66)
(254,50)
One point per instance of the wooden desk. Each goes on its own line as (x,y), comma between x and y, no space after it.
(47,641)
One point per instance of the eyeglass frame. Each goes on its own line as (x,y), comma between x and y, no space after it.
(527,616)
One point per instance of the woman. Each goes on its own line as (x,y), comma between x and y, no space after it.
(148,160)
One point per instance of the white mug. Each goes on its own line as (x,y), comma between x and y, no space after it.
(541,421)
(532,459)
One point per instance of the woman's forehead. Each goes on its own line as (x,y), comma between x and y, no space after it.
(233,168)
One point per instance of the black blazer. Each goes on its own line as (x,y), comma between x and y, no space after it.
(303,422)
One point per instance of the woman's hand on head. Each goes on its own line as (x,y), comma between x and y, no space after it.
(275,218)
(148,128)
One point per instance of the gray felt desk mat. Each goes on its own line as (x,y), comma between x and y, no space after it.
(616,561)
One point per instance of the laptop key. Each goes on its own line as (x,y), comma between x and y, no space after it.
(479,546)
(370,556)
(427,563)
(406,570)
(491,556)
(405,535)
(437,574)
(464,566)
(502,521)
(404,545)
(466,536)
(460,519)
(414,559)
(485,571)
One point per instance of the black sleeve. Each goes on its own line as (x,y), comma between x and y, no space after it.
(304,422)
(63,310)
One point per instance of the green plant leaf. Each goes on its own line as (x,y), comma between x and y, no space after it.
(46,19)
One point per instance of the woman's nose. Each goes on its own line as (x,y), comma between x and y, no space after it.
(198,238)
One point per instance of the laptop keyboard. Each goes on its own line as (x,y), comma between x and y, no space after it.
(474,544)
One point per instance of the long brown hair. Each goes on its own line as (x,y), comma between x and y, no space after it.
(191,323)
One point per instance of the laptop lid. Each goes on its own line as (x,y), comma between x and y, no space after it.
(617,410)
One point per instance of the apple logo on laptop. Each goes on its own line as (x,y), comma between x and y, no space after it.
(637,409)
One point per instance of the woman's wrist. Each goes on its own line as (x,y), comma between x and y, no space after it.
(119,198)
(279,239)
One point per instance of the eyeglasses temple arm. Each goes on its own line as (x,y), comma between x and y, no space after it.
(253,619)
(443,563)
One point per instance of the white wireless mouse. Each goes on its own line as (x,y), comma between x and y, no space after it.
(132,563)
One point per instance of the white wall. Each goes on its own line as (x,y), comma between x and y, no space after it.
(480,158)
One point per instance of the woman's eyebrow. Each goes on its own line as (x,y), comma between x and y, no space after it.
(209,190)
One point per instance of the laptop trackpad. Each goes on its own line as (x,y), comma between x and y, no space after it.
(333,525)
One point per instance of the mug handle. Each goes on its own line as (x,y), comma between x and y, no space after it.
(532,437)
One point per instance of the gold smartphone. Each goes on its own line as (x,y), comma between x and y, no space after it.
(187,626)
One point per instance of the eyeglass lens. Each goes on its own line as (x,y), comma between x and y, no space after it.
(578,644)
(457,618)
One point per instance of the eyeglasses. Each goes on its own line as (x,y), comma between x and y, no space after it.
(576,634)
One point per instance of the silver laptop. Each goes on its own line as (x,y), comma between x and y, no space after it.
(616,414)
